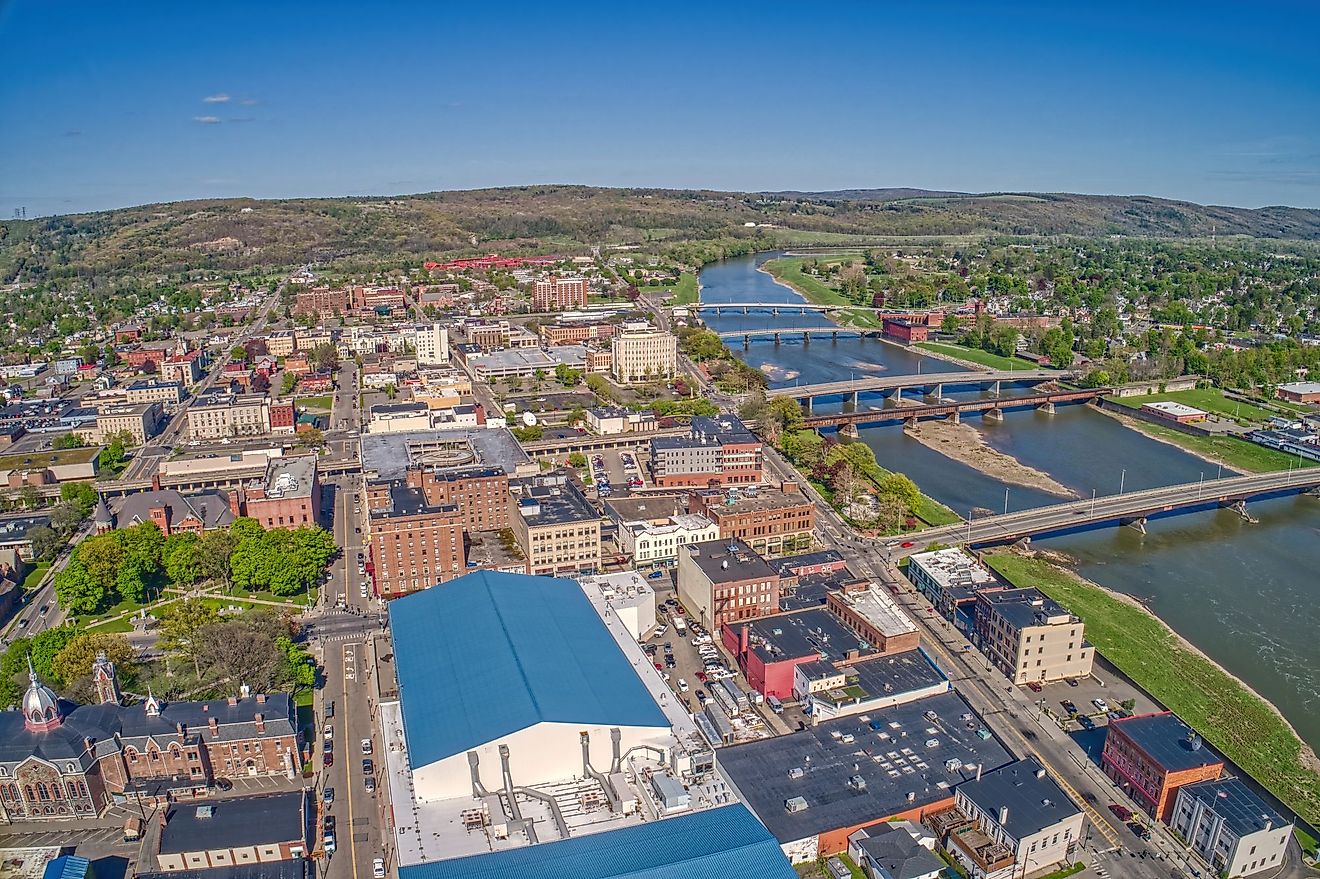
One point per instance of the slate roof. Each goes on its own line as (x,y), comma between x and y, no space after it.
(1243,812)
(712,844)
(210,507)
(901,856)
(488,654)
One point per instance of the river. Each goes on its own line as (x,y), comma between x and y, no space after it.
(1246,594)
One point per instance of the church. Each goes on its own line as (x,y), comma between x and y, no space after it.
(59,759)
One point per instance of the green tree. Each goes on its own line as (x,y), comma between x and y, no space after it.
(213,554)
(181,559)
(102,556)
(80,495)
(45,646)
(46,542)
(324,356)
(180,631)
(950,325)
(78,589)
(75,659)
(238,352)
(289,382)
(567,376)
(901,488)
(577,459)
(68,441)
(30,497)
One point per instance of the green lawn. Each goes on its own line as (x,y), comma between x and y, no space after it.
(323,402)
(684,292)
(788,270)
(859,317)
(975,355)
(1229,716)
(33,575)
(1209,399)
(1239,454)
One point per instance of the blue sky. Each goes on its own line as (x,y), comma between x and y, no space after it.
(105,105)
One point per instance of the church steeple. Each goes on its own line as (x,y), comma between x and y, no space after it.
(105,680)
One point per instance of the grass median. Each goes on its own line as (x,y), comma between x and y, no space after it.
(1233,719)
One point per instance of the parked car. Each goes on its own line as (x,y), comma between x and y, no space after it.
(655,575)
(1085,721)
(1069,706)
(682,685)
(368,767)
(1072,682)
(370,784)
(1141,830)
(378,868)
(1122,813)
(328,796)
(328,842)
(366,747)
(1034,686)
(1100,704)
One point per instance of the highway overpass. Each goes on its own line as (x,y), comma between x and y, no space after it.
(1132,508)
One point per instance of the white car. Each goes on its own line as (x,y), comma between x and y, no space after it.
(1100,704)
(366,747)
(682,686)
(378,868)
(329,731)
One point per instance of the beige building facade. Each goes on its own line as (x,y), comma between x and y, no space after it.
(219,416)
(644,353)
(1031,638)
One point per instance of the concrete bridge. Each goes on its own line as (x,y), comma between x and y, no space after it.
(1132,509)
(847,422)
(933,384)
(806,332)
(773,307)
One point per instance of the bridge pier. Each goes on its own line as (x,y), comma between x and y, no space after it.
(834,336)
(775,312)
(801,311)
(1239,507)
(1047,408)
(747,342)
(806,338)
(1137,522)
(994,415)
(994,389)
(849,430)
(955,417)
(776,338)
(746,310)
(807,408)
(910,423)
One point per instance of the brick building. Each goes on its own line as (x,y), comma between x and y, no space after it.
(768,520)
(575,334)
(559,294)
(62,760)
(906,331)
(288,496)
(555,526)
(725,581)
(718,451)
(1150,756)
(414,544)
(320,300)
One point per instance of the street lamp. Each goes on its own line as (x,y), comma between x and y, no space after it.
(1005,501)
(1093,503)
(1121,479)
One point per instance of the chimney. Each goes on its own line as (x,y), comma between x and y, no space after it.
(179,728)
(155,482)
(215,726)
(790,487)
(260,721)
(236,502)
(89,745)
(743,640)
(232,700)
(1040,773)
(1003,815)
(261,698)
(244,691)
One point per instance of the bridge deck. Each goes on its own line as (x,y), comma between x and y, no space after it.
(927,380)
(936,410)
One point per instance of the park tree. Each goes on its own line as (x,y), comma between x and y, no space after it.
(102,557)
(75,659)
(180,557)
(244,650)
(180,631)
(213,554)
(30,497)
(324,356)
(900,488)
(80,495)
(78,590)
(577,459)
(46,542)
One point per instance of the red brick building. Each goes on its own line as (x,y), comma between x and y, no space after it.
(321,300)
(282,417)
(574,334)
(559,294)
(288,497)
(905,330)
(413,544)
(1150,756)
(769,521)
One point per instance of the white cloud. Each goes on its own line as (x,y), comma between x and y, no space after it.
(249,102)
(221,98)
(207,120)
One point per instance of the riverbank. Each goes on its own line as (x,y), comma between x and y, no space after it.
(788,271)
(1231,716)
(965,444)
(1238,454)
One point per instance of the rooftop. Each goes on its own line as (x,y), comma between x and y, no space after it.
(892,675)
(551,500)
(389,455)
(1229,798)
(1033,798)
(725,428)
(1301,387)
(953,567)
(791,564)
(408,501)
(901,856)
(804,633)
(908,755)
(1178,410)
(290,869)
(1166,740)
(1026,607)
(751,499)
(729,561)
(489,654)
(723,842)
(290,477)
(646,508)
(879,610)
(234,822)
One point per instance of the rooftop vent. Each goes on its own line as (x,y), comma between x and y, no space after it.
(205,811)
(796,772)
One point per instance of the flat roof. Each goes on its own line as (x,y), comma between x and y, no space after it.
(879,610)
(489,654)
(646,508)
(551,500)
(728,561)
(897,673)
(1166,740)
(789,564)
(1033,798)
(811,632)
(1237,804)
(751,498)
(389,455)
(293,868)
(908,756)
(55,458)
(722,842)
(233,822)
(723,427)
(1168,407)
(953,567)
(1301,387)
(810,591)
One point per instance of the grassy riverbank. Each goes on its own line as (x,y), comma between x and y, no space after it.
(788,270)
(1231,717)
(1207,399)
(683,293)
(1239,454)
(975,355)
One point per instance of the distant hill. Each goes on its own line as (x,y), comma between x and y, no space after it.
(241,234)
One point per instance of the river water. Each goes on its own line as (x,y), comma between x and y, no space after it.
(1245,594)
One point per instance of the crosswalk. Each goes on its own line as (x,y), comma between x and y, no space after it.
(341,637)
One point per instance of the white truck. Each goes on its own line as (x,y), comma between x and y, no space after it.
(680,625)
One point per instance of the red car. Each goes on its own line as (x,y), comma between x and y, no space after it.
(908,544)
(659,667)
(1034,687)
(1122,813)
(701,676)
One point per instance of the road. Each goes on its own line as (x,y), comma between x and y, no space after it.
(340,636)
(896,382)
(1133,504)
(1015,717)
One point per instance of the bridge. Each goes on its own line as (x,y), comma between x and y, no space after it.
(773,307)
(932,383)
(994,408)
(1133,509)
(831,330)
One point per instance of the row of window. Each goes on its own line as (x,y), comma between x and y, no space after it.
(43,792)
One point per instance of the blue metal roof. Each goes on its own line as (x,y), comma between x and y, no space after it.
(714,844)
(68,867)
(489,654)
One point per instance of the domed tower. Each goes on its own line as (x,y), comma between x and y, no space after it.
(105,680)
(41,707)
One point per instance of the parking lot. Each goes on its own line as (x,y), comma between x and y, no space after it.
(1105,685)
(616,471)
